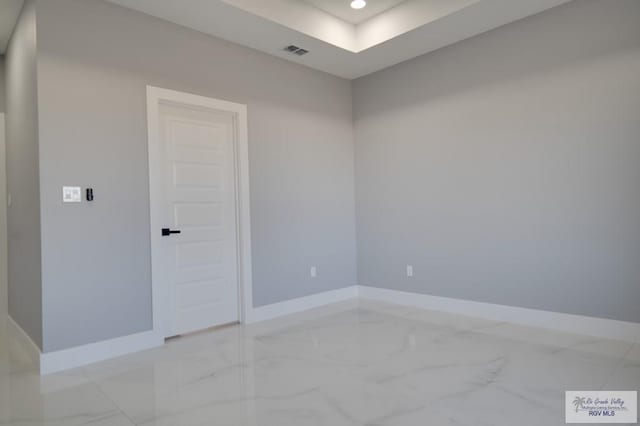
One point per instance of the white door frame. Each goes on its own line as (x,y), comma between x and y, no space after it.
(155,97)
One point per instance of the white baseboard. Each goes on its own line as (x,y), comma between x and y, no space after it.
(590,326)
(26,345)
(52,362)
(300,304)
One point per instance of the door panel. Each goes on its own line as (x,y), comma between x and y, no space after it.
(199,265)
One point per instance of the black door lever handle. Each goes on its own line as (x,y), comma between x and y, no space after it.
(166,232)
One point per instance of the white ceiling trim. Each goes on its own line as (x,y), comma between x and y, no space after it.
(269,25)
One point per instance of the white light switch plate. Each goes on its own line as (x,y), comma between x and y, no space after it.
(409,270)
(71,194)
(313,272)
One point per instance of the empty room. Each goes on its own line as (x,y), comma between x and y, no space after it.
(319,212)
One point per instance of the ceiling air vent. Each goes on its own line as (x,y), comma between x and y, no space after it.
(296,50)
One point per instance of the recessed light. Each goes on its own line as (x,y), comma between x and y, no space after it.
(358,4)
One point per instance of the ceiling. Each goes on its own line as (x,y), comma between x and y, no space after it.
(9,12)
(337,46)
(342,9)
(340,41)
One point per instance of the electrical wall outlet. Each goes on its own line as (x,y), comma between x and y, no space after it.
(409,270)
(313,272)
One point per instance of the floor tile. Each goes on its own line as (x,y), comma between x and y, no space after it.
(368,363)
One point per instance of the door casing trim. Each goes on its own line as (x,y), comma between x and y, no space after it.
(155,97)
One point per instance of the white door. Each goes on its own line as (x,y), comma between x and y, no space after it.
(197,250)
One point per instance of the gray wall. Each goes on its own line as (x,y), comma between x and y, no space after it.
(95,60)
(3,201)
(2,95)
(505,168)
(25,291)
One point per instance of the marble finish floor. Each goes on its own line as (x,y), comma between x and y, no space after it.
(356,363)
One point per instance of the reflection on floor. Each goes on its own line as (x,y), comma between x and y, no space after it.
(359,363)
